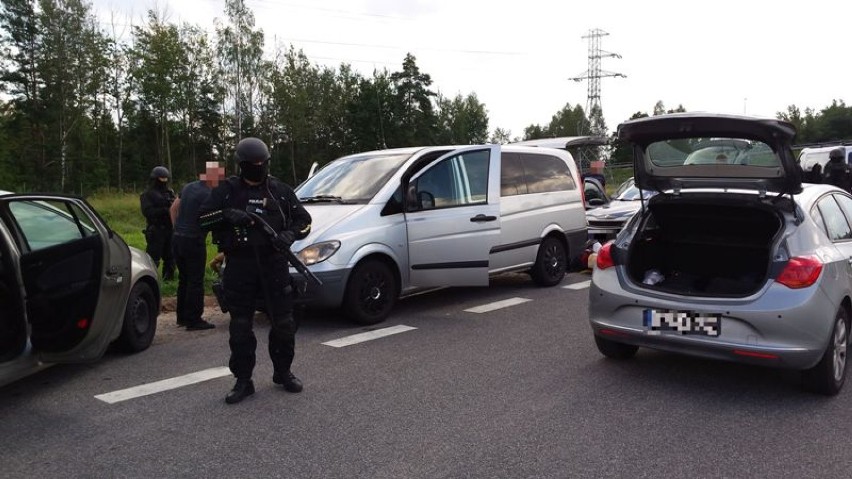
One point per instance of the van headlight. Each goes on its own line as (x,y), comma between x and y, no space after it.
(319,252)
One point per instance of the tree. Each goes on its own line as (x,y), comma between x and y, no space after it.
(159,72)
(413,108)
(461,121)
(240,53)
(501,136)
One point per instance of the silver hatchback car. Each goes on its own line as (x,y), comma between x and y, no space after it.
(69,285)
(734,260)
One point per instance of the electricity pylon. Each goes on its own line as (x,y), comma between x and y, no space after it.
(594,74)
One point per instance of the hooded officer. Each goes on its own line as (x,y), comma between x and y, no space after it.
(155,203)
(255,271)
(836,170)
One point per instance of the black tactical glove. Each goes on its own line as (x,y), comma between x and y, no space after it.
(283,240)
(236,217)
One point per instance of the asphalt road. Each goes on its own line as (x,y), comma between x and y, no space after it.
(516,392)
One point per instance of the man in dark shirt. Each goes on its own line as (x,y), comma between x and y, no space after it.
(155,203)
(189,243)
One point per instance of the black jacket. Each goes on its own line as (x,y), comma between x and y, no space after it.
(272,200)
(155,203)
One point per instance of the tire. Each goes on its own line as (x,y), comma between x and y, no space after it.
(140,320)
(615,350)
(550,263)
(371,293)
(829,375)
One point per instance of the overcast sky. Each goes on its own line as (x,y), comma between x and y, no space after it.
(747,56)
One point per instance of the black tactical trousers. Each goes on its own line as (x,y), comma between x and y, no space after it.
(190,255)
(244,280)
(159,246)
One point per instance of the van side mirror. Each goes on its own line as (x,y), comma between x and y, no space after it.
(426,200)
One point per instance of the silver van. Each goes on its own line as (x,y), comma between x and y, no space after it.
(391,222)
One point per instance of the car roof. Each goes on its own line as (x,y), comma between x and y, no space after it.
(564,142)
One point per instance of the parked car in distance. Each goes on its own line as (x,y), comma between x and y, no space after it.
(69,285)
(594,193)
(737,262)
(391,222)
(607,220)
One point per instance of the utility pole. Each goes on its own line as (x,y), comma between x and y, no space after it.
(594,75)
(594,111)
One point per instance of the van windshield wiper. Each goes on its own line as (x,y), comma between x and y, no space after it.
(324,198)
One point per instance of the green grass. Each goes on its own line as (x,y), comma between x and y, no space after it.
(123,214)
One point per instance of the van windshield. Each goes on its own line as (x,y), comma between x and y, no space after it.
(354,179)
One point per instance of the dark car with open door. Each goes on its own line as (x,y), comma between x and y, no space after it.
(69,286)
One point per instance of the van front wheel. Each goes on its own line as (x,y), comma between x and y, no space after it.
(371,293)
(550,264)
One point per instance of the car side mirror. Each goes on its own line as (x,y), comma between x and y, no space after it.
(596,202)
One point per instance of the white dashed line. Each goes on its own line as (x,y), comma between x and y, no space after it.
(486,308)
(578,286)
(368,336)
(164,385)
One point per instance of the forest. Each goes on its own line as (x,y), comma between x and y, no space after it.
(88,105)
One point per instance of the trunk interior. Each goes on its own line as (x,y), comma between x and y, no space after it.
(703,249)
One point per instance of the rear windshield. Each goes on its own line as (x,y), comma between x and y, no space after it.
(353,179)
(712,151)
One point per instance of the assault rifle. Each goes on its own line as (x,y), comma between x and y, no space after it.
(291,258)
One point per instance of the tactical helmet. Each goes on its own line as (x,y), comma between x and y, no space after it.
(160,172)
(836,154)
(252,150)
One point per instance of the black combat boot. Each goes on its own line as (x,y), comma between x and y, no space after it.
(290,382)
(242,390)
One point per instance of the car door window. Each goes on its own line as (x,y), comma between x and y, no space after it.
(44,223)
(456,181)
(846,205)
(835,222)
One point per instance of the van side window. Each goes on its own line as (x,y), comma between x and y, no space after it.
(512,181)
(547,173)
(456,181)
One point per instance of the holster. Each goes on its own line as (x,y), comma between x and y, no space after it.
(220,295)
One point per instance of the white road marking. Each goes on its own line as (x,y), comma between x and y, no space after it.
(487,308)
(578,286)
(368,336)
(164,385)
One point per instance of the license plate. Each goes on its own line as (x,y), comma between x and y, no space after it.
(658,322)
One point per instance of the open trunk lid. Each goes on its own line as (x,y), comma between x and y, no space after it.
(701,150)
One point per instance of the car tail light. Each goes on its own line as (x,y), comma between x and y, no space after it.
(800,272)
(583,196)
(604,259)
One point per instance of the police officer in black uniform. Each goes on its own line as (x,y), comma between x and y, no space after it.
(837,170)
(255,271)
(155,203)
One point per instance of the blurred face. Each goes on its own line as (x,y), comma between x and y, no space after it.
(213,174)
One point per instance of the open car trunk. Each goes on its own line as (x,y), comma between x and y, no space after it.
(701,248)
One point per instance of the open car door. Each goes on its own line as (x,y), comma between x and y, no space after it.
(75,273)
(453,217)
